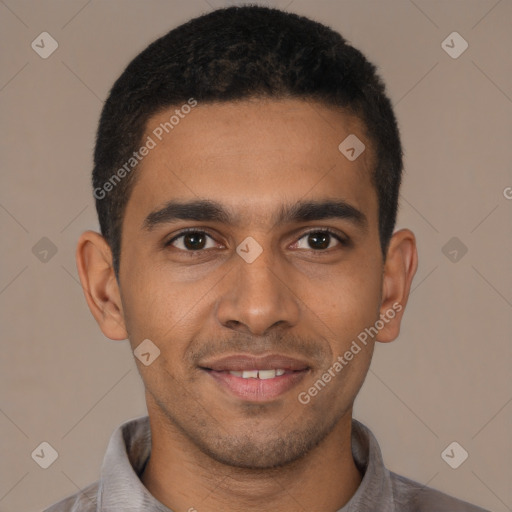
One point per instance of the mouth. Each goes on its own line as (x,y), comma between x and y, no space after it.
(256,379)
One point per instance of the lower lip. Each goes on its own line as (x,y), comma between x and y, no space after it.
(258,390)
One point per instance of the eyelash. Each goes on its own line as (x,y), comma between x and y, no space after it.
(344,242)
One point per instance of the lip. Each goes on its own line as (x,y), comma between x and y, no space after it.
(256,390)
(241,362)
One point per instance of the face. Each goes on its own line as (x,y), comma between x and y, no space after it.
(253,284)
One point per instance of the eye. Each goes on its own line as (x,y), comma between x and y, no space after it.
(320,239)
(193,240)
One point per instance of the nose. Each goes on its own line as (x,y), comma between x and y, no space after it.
(258,296)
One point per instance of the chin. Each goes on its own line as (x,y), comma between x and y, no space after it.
(262,452)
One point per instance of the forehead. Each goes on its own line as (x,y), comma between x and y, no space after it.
(252,156)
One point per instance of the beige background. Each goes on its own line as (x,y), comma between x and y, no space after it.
(446,378)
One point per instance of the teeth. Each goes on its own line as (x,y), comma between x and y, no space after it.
(255,374)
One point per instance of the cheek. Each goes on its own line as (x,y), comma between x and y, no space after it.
(347,302)
(163,310)
(146,303)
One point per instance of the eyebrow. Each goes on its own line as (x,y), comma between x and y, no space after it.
(205,210)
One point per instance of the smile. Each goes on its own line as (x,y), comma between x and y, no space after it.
(258,374)
(257,386)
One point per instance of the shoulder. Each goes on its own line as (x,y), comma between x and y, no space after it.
(82,501)
(412,496)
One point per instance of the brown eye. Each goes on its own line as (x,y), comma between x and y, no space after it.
(320,240)
(191,241)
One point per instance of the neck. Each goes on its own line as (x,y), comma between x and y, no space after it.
(183,478)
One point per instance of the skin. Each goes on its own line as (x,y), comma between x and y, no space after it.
(210,450)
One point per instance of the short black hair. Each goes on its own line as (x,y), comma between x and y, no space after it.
(234,54)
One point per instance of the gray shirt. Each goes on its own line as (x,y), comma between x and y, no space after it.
(120,489)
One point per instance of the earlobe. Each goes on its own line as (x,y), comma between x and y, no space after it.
(101,290)
(399,270)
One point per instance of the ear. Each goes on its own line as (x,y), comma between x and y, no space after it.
(399,269)
(99,283)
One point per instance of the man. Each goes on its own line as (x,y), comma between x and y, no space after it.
(247,171)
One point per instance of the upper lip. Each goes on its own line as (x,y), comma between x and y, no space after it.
(241,362)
